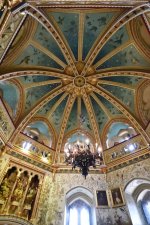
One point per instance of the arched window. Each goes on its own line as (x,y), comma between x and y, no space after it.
(137,194)
(79,213)
(144,204)
(80,207)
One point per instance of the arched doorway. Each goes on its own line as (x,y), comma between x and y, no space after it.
(80,207)
(137,193)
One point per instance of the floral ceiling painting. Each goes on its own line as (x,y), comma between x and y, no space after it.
(70,85)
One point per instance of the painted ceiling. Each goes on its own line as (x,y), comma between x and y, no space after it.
(58,92)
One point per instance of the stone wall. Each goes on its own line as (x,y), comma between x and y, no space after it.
(52,202)
(51,205)
(126,174)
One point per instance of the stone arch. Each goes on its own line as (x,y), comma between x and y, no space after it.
(136,190)
(83,194)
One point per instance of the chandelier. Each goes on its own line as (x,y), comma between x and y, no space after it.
(81,153)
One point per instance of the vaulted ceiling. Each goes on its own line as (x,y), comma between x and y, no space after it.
(75,69)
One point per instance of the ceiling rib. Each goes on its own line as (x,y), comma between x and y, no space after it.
(66,114)
(63,37)
(48,53)
(122,108)
(39,84)
(40,17)
(130,73)
(112,53)
(121,21)
(80,36)
(79,110)
(54,107)
(44,100)
(101,105)
(117,84)
(91,116)
(32,72)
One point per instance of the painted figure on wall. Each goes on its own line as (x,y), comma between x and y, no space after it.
(101,198)
(30,197)
(18,193)
(117,197)
(6,186)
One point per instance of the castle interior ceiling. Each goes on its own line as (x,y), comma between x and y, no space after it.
(75,71)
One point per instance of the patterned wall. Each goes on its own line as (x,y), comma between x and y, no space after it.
(52,201)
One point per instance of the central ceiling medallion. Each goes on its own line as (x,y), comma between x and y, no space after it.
(79,81)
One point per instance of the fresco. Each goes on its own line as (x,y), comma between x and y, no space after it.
(113,110)
(124,80)
(127,57)
(101,117)
(95,24)
(46,108)
(57,117)
(32,56)
(125,95)
(40,132)
(10,95)
(46,40)
(69,23)
(30,79)
(119,38)
(73,118)
(84,118)
(35,93)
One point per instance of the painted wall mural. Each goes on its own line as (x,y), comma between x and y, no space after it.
(69,24)
(127,57)
(119,38)
(125,95)
(46,40)
(33,56)
(56,117)
(47,107)
(35,93)
(52,201)
(101,117)
(111,108)
(95,24)
(73,118)
(10,95)
(84,118)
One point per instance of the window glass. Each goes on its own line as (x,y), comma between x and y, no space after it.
(79,213)
(73,218)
